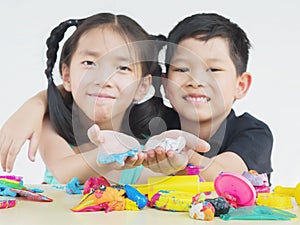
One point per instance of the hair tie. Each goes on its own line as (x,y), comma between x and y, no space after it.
(163,95)
(50,79)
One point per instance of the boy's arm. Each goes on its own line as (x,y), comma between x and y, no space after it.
(169,161)
(224,162)
(24,124)
(250,149)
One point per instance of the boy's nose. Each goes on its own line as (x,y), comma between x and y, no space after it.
(194,83)
(197,81)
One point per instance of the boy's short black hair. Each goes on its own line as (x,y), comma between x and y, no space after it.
(206,26)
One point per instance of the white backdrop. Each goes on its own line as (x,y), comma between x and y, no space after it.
(273,28)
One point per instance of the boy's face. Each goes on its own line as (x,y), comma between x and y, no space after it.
(202,81)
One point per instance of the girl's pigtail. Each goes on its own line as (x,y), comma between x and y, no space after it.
(160,39)
(60,115)
(156,71)
(152,117)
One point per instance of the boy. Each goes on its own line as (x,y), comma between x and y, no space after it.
(206,63)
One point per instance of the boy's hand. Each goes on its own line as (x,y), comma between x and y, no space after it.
(169,161)
(16,131)
(112,142)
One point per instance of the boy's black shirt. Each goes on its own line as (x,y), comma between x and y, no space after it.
(246,136)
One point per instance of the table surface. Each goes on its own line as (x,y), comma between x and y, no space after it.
(58,212)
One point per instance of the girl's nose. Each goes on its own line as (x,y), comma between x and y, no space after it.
(103,75)
(103,83)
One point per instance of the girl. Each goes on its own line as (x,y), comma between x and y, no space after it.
(105,65)
(102,73)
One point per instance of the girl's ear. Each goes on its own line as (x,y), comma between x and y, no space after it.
(66,77)
(243,84)
(143,88)
(164,81)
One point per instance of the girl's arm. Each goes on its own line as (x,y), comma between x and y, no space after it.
(116,142)
(66,163)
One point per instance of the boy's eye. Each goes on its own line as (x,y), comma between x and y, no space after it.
(213,70)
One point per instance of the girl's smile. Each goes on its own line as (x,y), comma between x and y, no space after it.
(102,96)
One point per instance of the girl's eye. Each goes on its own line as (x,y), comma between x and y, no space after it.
(88,63)
(123,68)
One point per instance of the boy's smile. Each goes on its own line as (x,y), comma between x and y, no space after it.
(196,98)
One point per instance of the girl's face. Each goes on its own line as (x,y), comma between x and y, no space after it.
(202,81)
(103,76)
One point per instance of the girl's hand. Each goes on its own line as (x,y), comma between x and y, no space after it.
(169,161)
(112,142)
(24,124)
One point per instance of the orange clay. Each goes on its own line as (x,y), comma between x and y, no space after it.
(108,198)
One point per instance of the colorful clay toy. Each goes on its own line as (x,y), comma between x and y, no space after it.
(289,191)
(170,200)
(13,186)
(103,196)
(119,158)
(236,189)
(9,203)
(168,144)
(202,210)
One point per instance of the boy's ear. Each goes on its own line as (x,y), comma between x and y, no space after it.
(66,77)
(243,85)
(143,88)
